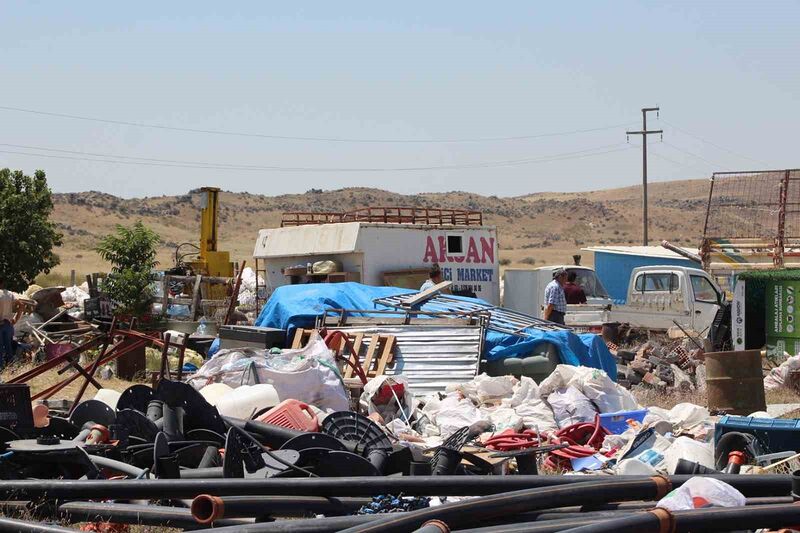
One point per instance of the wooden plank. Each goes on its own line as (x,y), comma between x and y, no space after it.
(373,345)
(195,297)
(425,295)
(387,354)
(211,280)
(300,335)
(348,369)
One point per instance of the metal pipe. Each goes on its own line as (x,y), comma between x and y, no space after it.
(680,251)
(764,485)
(208,509)
(510,503)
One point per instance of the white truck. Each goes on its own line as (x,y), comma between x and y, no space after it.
(658,297)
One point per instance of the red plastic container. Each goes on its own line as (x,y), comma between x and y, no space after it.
(292,414)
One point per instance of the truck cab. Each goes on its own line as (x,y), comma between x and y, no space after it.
(659,295)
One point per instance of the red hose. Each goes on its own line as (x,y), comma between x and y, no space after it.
(584,440)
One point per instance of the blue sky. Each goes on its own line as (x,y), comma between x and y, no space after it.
(724,72)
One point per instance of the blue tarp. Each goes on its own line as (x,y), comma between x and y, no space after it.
(297,306)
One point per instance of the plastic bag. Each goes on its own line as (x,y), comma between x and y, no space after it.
(308,374)
(593,384)
(690,449)
(534,412)
(454,413)
(389,411)
(570,406)
(701,492)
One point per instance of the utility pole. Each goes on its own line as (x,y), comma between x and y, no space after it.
(644,133)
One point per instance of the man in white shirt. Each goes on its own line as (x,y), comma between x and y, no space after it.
(8,308)
(555,300)
(434,278)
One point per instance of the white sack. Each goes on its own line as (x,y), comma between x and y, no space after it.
(570,406)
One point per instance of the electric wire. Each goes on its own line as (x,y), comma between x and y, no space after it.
(715,145)
(302,138)
(225,166)
(701,158)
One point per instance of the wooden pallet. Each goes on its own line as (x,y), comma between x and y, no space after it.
(379,352)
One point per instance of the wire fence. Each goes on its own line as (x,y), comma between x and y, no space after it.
(747,205)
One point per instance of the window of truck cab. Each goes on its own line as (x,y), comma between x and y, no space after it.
(703,290)
(656,282)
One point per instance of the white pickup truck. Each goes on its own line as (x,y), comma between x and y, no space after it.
(658,296)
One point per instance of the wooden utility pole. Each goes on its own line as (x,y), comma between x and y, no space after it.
(644,133)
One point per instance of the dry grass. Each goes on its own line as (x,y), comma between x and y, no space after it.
(670,398)
(51,377)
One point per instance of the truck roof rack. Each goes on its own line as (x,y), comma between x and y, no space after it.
(387,215)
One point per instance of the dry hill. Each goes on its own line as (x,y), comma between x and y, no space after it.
(534,229)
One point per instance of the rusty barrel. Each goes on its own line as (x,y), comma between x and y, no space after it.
(735,382)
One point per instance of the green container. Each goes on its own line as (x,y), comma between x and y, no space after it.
(782,300)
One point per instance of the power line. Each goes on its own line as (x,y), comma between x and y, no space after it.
(715,145)
(221,166)
(711,163)
(317,139)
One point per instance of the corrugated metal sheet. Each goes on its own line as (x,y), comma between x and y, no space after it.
(307,240)
(431,357)
(500,319)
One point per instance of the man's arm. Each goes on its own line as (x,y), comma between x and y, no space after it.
(547,311)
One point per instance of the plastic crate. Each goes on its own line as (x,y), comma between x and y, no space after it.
(617,422)
(774,434)
(292,414)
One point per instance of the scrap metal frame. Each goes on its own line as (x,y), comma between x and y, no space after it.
(775,241)
(387,215)
(124,341)
(499,318)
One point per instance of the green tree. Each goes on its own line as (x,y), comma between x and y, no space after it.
(132,254)
(27,237)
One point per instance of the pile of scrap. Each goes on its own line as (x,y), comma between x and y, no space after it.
(374,414)
(677,364)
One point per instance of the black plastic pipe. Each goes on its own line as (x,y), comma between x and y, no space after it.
(126,513)
(467,512)
(22,526)
(310,525)
(208,509)
(617,509)
(765,485)
(269,434)
(707,520)
(567,517)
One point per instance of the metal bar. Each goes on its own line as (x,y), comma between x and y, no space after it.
(100,355)
(44,367)
(234,296)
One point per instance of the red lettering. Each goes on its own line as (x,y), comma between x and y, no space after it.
(442,248)
(472,252)
(487,249)
(430,252)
